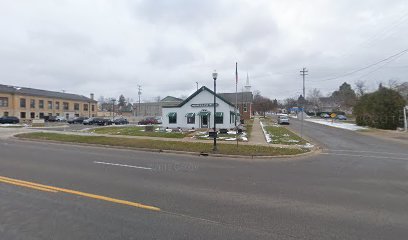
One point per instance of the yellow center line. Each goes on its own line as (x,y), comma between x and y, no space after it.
(84,194)
(27,185)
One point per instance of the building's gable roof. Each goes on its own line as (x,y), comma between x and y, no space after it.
(42,93)
(241,96)
(171,99)
(203,88)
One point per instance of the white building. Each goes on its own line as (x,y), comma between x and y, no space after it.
(197,111)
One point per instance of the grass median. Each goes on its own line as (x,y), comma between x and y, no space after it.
(136,131)
(230,149)
(282,135)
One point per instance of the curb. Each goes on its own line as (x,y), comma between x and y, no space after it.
(197,154)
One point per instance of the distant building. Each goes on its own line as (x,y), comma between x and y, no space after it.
(152,109)
(244,100)
(30,103)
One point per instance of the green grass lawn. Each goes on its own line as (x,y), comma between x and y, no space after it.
(282,135)
(136,131)
(231,149)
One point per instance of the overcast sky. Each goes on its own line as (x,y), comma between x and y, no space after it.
(166,46)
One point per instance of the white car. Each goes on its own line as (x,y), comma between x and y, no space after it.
(283,120)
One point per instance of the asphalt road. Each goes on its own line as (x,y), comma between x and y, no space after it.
(357,188)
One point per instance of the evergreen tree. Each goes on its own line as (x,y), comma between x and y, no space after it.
(380,109)
(122,101)
(345,96)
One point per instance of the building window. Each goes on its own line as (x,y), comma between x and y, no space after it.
(76,115)
(6,114)
(57,114)
(65,105)
(32,103)
(190,118)
(32,115)
(245,107)
(22,103)
(49,104)
(22,115)
(41,103)
(172,117)
(41,115)
(219,117)
(3,102)
(57,105)
(76,106)
(49,114)
(93,108)
(85,107)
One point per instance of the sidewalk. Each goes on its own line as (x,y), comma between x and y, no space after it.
(257,135)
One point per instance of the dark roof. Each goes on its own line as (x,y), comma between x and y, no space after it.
(171,99)
(241,96)
(42,93)
(203,88)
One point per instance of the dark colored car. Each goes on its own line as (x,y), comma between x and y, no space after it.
(51,118)
(9,119)
(341,117)
(120,121)
(148,121)
(97,121)
(77,120)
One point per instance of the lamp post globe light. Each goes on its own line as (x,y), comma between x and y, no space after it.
(215,75)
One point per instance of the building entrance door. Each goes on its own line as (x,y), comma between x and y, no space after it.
(204,121)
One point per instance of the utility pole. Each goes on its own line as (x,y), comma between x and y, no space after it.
(303,73)
(405,119)
(139,87)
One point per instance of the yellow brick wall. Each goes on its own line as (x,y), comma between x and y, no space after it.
(14,108)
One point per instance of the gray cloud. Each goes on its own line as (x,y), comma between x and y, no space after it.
(109,47)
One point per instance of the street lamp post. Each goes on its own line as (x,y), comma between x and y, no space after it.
(214,75)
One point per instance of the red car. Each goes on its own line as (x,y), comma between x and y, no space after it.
(148,121)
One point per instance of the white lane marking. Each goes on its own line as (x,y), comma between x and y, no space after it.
(123,165)
(366,156)
(357,151)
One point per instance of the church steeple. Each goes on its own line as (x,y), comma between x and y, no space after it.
(247,86)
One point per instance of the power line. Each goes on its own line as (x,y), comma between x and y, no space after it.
(363,68)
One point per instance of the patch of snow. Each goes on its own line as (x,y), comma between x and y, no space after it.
(267,136)
(308,145)
(169,130)
(342,125)
(230,139)
(245,139)
(292,141)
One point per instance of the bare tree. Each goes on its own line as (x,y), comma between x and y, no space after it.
(393,83)
(360,87)
(313,99)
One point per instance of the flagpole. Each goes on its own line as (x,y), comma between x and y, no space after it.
(236,94)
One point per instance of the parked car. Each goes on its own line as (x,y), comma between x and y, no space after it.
(88,121)
(148,121)
(51,119)
(324,115)
(120,121)
(341,117)
(60,119)
(159,120)
(76,120)
(9,120)
(283,120)
(97,121)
